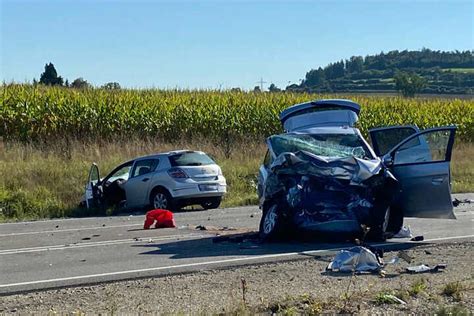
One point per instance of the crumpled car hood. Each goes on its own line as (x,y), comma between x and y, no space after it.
(351,168)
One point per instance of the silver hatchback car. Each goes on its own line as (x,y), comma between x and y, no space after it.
(166,180)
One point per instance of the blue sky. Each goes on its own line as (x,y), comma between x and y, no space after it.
(212,44)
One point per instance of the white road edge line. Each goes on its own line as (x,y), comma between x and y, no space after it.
(98,243)
(195,264)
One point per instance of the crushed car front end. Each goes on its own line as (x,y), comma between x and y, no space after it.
(325,180)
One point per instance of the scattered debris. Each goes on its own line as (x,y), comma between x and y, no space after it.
(392,299)
(163,218)
(402,254)
(237,238)
(418,238)
(424,268)
(405,232)
(214,228)
(358,259)
(457,202)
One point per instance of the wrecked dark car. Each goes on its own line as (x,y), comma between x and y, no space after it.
(321,175)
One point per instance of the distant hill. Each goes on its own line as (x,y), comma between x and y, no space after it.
(444,72)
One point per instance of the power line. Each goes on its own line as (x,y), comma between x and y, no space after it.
(261,82)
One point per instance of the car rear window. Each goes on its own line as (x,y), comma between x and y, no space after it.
(190,159)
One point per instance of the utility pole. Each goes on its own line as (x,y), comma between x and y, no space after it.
(261,82)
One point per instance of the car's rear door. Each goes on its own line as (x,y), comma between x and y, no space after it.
(421,163)
(137,187)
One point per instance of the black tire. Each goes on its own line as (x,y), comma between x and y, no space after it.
(161,199)
(378,228)
(270,223)
(212,203)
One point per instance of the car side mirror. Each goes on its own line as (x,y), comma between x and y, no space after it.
(387,160)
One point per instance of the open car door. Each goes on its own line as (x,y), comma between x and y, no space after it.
(92,189)
(421,163)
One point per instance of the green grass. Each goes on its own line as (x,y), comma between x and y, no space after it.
(454,290)
(48,181)
(417,287)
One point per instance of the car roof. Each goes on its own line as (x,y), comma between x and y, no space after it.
(167,153)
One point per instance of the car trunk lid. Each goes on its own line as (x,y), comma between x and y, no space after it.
(196,165)
(321,113)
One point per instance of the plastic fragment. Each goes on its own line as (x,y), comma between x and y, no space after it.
(393,299)
(424,268)
(457,202)
(358,259)
(403,255)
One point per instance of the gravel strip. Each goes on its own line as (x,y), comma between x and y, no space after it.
(266,286)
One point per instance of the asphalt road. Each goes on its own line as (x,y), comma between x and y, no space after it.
(69,252)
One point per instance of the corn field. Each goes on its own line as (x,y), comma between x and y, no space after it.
(37,113)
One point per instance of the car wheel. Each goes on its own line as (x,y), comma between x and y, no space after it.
(270,223)
(161,199)
(211,204)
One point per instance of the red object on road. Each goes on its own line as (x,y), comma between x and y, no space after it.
(163,218)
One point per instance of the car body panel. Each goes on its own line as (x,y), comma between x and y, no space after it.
(319,114)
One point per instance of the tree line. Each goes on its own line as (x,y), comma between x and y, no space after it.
(50,77)
(406,71)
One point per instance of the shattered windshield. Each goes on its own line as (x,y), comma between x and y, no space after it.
(327,145)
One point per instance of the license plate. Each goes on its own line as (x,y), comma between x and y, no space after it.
(208,187)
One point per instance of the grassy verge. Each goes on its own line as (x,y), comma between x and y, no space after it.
(48,181)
